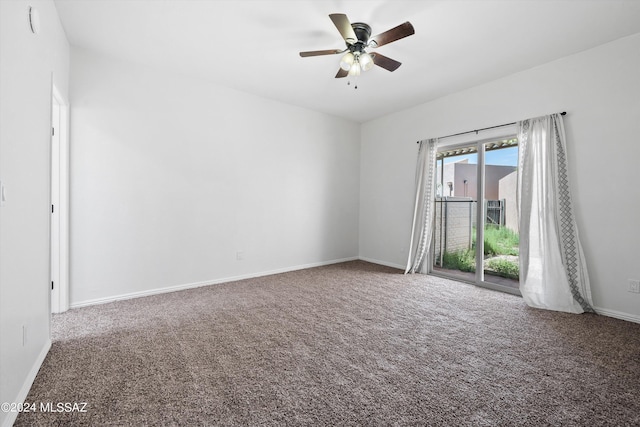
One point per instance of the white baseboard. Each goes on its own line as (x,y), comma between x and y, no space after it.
(28,382)
(386,264)
(204,283)
(618,314)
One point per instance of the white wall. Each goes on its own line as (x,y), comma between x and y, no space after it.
(27,62)
(172,176)
(600,90)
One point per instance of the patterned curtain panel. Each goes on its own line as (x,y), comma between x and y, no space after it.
(422,227)
(553,274)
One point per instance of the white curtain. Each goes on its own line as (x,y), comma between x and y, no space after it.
(553,274)
(424,208)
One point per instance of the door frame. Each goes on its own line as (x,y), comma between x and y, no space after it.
(59,250)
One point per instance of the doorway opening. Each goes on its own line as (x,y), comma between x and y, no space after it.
(476,236)
(59,220)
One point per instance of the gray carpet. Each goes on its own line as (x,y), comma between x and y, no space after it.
(346,344)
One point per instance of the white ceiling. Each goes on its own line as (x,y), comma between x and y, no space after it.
(253,45)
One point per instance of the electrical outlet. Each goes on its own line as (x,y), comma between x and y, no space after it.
(634,286)
(240,255)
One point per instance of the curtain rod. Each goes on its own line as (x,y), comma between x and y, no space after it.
(564,113)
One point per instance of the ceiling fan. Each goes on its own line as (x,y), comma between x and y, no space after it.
(357,36)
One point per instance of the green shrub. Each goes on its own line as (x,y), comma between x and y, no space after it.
(500,241)
(463,260)
(504,267)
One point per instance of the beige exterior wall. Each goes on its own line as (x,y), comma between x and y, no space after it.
(464,178)
(507,188)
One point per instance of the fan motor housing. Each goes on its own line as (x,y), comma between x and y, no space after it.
(363,32)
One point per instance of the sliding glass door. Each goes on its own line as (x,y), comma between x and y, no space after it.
(476,226)
(456,211)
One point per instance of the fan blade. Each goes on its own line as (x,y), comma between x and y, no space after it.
(397,33)
(385,62)
(320,52)
(341,73)
(343,25)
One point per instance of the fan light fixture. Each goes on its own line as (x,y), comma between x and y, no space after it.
(366,61)
(354,70)
(356,62)
(347,61)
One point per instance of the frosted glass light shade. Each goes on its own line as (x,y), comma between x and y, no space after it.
(347,61)
(366,61)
